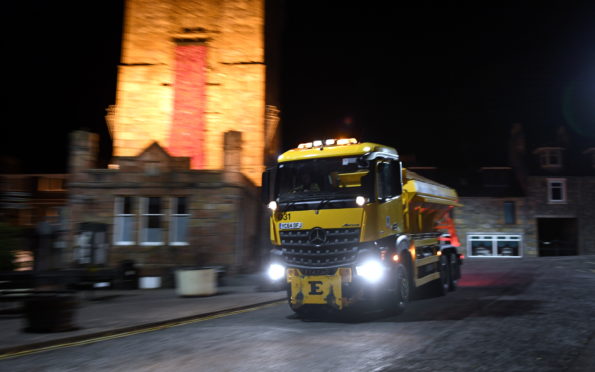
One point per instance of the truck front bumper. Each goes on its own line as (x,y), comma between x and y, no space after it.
(337,291)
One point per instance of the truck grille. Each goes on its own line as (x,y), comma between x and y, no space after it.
(320,247)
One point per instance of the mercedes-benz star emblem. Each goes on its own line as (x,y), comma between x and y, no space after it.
(317,236)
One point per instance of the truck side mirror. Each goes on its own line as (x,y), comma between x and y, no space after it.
(268,185)
(397,171)
(368,185)
(383,186)
(389,180)
(363,163)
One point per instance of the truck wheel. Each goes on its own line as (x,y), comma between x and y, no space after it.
(439,287)
(301,312)
(452,269)
(298,310)
(402,290)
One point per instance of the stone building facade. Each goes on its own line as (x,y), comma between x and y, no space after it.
(540,203)
(557,172)
(155,210)
(566,225)
(192,70)
(485,226)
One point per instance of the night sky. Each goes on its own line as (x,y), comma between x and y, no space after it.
(443,83)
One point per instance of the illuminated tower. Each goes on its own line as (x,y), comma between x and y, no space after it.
(190,71)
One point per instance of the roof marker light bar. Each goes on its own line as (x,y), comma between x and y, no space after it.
(328,142)
(306,145)
(346,141)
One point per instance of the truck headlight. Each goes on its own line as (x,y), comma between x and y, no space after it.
(371,270)
(360,200)
(276,272)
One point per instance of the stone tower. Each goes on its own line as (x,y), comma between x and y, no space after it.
(190,71)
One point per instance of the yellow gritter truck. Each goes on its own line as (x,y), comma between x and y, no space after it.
(351,227)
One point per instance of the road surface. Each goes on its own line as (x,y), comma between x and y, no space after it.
(507,315)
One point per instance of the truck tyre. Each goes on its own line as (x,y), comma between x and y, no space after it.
(439,287)
(298,310)
(402,290)
(301,312)
(453,267)
(409,272)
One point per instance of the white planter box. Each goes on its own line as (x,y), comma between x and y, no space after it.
(149,282)
(196,282)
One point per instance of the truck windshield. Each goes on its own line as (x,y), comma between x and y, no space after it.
(323,178)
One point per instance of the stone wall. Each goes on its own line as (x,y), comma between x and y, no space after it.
(486,215)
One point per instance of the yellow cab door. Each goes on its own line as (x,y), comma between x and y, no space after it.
(389,192)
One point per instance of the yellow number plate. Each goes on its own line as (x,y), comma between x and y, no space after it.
(318,289)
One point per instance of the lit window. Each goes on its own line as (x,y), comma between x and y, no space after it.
(493,245)
(178,230)
(124,221)
(50,184)
(151,221)
(509,213)
(556,190)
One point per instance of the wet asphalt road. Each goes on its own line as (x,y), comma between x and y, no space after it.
(507,315)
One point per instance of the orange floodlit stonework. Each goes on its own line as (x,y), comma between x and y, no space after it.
(191,71)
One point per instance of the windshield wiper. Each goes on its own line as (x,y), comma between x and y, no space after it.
(288,205)
(324,199)
(323,202)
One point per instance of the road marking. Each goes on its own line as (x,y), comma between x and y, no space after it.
(137,331)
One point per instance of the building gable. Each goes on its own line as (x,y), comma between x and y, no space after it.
(153,160)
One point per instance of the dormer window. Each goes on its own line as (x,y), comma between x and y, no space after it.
(549,157)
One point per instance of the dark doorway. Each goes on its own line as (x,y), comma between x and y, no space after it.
(557,236)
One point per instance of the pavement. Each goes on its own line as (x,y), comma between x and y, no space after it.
(108,312)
